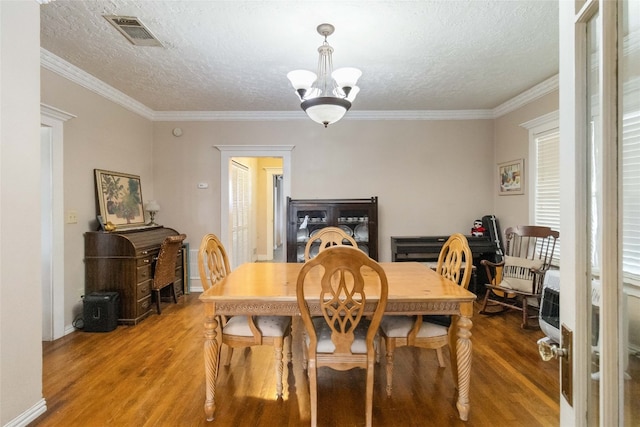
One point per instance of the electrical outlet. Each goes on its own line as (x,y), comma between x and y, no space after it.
(72,217)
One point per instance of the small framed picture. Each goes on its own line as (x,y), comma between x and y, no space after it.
(119,199)
(511,178)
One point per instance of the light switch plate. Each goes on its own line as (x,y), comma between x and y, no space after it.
(72,217)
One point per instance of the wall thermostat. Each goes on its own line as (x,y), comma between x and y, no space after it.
(177,132)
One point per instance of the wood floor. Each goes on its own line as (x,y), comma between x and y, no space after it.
(152,375)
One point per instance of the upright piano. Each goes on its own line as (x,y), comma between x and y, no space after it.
(427,249)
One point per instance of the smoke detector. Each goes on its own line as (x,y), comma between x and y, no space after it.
(134,30)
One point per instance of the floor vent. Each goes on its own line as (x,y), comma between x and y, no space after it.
(134,30)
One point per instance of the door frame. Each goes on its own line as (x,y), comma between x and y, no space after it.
(271,172)
(53,285)
(227,152)
(575,298)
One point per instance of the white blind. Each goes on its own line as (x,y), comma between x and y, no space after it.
(547,182)
(631,197)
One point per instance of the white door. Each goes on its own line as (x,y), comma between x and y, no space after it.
(600,208)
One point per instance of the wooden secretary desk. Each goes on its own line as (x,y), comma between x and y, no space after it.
(122,261)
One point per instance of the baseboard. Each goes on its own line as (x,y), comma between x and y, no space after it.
(29,415)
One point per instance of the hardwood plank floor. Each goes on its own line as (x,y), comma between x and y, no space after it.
(152,375)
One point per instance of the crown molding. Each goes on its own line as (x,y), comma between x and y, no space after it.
(69,71)
(538,91)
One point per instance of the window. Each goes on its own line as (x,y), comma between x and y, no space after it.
(631,198)
(544,173)
(544,167)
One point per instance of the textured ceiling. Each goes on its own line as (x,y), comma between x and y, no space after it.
(234,55)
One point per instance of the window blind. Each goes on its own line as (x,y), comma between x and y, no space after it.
(547,182)
(631,197)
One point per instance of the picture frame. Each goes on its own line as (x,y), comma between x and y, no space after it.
(511,178)
(119,197)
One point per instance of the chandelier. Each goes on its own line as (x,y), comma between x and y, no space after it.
(327,96)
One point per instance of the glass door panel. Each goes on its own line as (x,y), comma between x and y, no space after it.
(594,211)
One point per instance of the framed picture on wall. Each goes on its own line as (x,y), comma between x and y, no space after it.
(511,177)
(119,197)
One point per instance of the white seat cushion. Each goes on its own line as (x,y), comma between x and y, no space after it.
(269,326)
(516,273)
(400,326)
(325,345)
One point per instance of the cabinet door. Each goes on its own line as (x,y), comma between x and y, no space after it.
(354,220)
(307,220)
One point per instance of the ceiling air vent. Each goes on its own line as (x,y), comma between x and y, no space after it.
(133,30)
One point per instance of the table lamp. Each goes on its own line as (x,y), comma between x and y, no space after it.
(152,207)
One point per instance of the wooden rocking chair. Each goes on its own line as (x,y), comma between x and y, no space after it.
(516,282)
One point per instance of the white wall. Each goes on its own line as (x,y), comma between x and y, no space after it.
(512,142)
(103,135)
(20,289)
(431,177)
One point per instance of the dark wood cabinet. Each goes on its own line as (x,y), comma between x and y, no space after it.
(358,217)
(123,262)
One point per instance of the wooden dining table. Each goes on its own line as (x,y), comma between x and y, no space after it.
(270,289)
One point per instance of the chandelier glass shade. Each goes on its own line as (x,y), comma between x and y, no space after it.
(327,95)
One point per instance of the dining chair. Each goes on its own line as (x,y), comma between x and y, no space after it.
(243,331)
(455,262)
(516,282)
(325,238)
(342,337)
(164,270)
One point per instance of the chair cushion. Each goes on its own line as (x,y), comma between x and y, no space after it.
(516,273)
(325,345)
(269,326)
(400,326)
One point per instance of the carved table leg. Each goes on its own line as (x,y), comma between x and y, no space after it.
(463,352)
(211,358)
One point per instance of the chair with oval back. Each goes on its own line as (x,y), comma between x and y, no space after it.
(243,331)
(326,238)
(342,337)
(455,262)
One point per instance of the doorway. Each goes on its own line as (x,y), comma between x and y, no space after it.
(227,153)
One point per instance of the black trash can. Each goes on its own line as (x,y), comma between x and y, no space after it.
(100,311)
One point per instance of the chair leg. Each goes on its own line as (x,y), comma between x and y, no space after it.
(278,346)
(304,351)
(525,314)
(369,393)
(173,292)
(157,292)
(229,354)
(440,357)
(485,301)
(313,392)
(390,344)
(288,341)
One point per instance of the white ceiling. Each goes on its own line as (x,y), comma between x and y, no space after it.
(234,55)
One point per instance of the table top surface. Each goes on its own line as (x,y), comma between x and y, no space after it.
(408,281)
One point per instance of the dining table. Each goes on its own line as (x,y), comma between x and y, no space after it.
(266,288)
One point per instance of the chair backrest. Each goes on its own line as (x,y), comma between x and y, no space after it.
(165,267)
(532,242)
(529,252)
(341,287)
(455,261)
(328,237)
(213,263)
